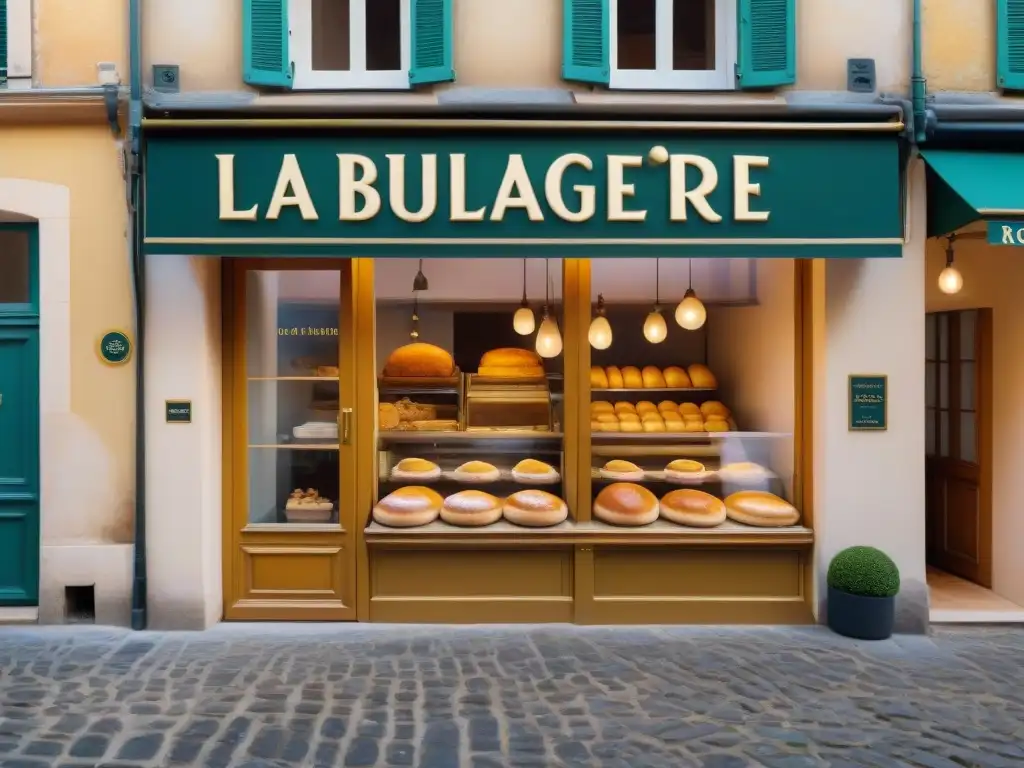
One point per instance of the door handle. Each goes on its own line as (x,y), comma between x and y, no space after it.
(346,426)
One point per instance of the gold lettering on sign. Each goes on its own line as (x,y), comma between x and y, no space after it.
(679,195)
(290,178)
(619,190)
(553,188)
(457,172)
(226,192)
(349,186)
(516,191)
(396,188)
(743,188)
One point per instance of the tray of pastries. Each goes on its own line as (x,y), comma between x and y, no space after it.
(308,506)
(414,506)
(526,472)
(665,416)
(630,377)
(406,415)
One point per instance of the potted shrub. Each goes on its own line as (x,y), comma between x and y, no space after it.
(862,587)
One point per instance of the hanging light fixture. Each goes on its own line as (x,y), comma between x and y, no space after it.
(655,329)
(600,333)
(419,283)
(691,313)
(549,338)
(523,321)
(950,279)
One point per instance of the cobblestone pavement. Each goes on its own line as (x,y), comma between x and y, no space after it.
(270,696)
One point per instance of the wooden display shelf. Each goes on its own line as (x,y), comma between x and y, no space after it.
(411,436)
(627,392)
(448,477)
(322,379)
(501,533)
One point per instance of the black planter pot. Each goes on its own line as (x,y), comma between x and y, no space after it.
(863,618)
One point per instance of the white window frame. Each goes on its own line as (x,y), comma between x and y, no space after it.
(357,77)
(19,44)
(663,77)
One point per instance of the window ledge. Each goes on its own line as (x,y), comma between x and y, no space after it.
(690,98)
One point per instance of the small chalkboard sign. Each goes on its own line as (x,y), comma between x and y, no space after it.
(179,411)
(869,401)
(115,348)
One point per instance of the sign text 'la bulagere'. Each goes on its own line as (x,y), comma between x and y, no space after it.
(361,198)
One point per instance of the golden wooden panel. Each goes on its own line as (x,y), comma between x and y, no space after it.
(697,573)
(297,573)
(468,574)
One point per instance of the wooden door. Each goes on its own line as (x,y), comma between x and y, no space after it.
(290,424)
(19,416)
(958,407)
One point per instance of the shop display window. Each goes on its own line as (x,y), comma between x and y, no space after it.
(470,395)
(292,353)
(693,426)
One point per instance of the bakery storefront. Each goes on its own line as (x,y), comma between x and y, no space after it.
(494,371)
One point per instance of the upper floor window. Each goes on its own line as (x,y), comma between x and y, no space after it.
(680,45)
(673,44)
(16,43)
(347,44)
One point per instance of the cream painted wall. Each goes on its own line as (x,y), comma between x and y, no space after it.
(993,277)
(519,45)
(70,41)
(959,45)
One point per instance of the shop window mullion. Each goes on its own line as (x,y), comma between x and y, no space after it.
(953,354)
(357,35)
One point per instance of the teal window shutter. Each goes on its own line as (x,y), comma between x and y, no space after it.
(585,55)
(265,43)
(767,43)
(431,57)
(3,41)
(1010,44)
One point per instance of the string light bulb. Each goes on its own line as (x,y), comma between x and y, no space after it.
(523,321)
(691,313)
(549,338)
(950,279)
(655,328)
(600,333)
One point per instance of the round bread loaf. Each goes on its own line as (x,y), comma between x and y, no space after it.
(760,508)
(510,357)
(419,360)
(652,377)
(626,504)
(595,426)
(471,509)
(716,425)
(631,377)
(685,471)
(535,509)
(714,408)
(598,378)
(618,469)
(408,507)
(614,377)
(646,406)
(690,409)
(606,418)
(687,506)
(630,417)
(677,378)
(623,407)
(655,426)
(602,406)
(702,377)
(610,427)
(667,405)
(476,472)
(415,469)
(742,471)
(675,425)
(533,471)
(631,426)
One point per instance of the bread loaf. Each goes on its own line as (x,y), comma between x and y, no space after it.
(471,509)
(702,377)
(652,377)
(534,471)
(761,509)
(632,378)
(535,509)
(408,507)
(614,377)
(419,360)
(691,507)
(626,504)
(387,416)
(415,469)
(510,357)
(714,408)
(677,378)
(618,469)
(598,378)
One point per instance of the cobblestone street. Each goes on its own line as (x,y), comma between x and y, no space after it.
(262,696)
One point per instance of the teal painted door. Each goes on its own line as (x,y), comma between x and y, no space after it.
(19,465)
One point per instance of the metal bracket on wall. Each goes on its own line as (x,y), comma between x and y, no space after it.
(112,101)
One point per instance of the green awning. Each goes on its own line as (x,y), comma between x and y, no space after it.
(964,187)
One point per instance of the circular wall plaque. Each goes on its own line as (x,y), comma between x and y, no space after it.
(115,348)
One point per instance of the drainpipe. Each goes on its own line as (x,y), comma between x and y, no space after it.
(918,85)
(138,264)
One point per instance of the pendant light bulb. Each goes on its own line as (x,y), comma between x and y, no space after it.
(691,313)
(523,321)
(600,333)
(549,338)
(950,280)
(655,328)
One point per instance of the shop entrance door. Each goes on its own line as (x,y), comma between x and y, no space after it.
(958,403)
(289,447)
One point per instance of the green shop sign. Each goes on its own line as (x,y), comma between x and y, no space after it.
(491,193)
(1006,233)
(869,402)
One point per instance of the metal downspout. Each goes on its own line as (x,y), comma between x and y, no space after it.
(134,181)
(918,85)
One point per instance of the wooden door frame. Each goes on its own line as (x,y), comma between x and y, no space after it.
(983,408)
(234,515)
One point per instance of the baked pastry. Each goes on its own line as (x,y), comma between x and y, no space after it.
(687,506)
(533,471)
(471,508)
(606,418)
(511,363)
(652,377)
(617,469)
(387,416)
(667,405)
(631,377)
(602,406)
(410,411)
(631,426)
(308,500)
(646,406)
(675,425)
(415,469)
(693,425)
(476,472)
(610,426)
(419,360)
(685,471)
(716,425)
(615,380)
(327,371)
(624,407)
(408,507)
(655,426)
(598,378)
(691,409)
(701,376)
(743,472)
(677,378)
(714,408)
(535,509)
(760,508)
(628,417)
(595,426)
(626,504)
(651,416)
